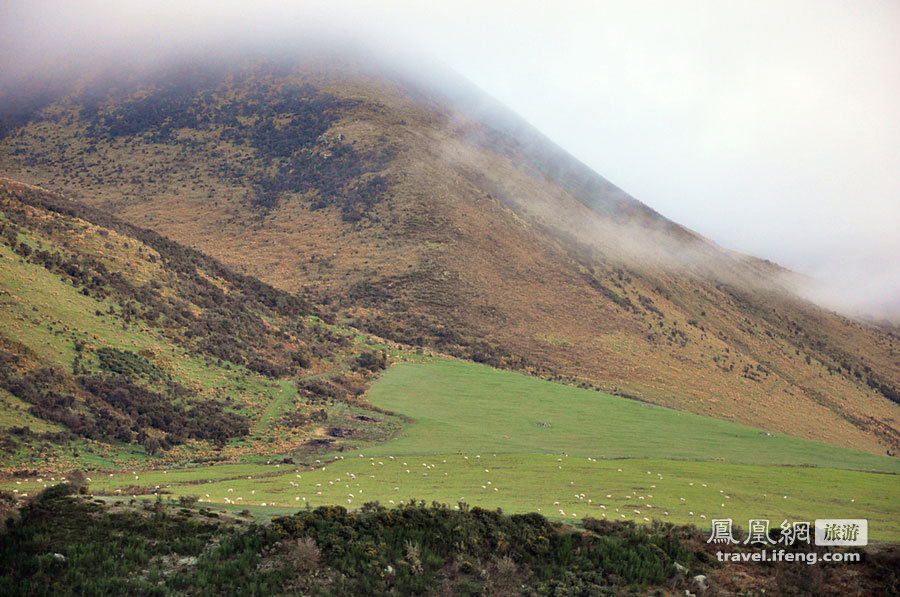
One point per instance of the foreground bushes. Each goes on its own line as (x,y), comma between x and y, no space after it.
(416,549)
(64,545)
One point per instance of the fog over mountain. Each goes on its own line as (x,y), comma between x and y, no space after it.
(770,128)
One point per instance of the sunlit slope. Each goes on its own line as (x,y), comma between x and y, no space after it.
(460,406)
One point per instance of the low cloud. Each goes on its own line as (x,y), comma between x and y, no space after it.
(772,128)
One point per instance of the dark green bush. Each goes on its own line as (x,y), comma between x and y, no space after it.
(57,491)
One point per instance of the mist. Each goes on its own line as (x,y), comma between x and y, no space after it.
(771,128)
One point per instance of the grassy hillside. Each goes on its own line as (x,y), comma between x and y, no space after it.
(410,214)
(462,406)
(120,348)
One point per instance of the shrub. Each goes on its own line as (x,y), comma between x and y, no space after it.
(125,362)
(302,555)
(54,492)
(188,501)
(371,361)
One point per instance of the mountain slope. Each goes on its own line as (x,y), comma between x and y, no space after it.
(121,348)
(432,217)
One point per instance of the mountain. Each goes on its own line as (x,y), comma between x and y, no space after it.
(419,210)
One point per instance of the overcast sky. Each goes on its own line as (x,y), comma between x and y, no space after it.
(771,127)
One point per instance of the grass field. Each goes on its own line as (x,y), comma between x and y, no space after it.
(461,406)
(476,439)
(631,489)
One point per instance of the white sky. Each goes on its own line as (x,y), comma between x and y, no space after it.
(771,127)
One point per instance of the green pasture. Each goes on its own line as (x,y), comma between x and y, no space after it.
(562,488)
(460,406)
(503,440)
